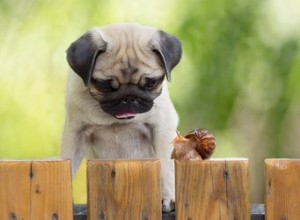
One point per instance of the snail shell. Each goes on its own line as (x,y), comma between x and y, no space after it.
(205,142)
(197,145)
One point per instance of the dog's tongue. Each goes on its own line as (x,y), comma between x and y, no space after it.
(126,115)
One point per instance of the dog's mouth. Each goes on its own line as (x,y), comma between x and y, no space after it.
(127,115)
(127,107)
(127,102)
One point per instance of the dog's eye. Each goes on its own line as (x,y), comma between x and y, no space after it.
(104,86)
(152,83)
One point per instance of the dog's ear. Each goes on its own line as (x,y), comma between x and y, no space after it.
(168,49)
(82,54)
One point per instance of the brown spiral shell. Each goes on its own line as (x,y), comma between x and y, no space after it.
(199,144)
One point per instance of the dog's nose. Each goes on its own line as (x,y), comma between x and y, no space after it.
(129,100)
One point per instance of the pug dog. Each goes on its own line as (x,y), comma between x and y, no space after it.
(117,101)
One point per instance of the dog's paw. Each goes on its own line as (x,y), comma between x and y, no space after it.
(168,205)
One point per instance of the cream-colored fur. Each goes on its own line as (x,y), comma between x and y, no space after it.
(91,132)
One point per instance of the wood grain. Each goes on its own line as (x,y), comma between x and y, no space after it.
(35,190)
(282,182)
(14,190)
(51,190)
(212,189)
(124,190)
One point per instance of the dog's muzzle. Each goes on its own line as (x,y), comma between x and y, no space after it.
(127,106)
(127,101)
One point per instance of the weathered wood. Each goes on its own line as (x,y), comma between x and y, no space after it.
(212,189)
(35,190)
(51,190)
(124,189)
(14,190)
(282,182)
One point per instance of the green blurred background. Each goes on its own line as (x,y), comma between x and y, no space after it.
(239,76)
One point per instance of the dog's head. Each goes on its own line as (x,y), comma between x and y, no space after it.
(124,65)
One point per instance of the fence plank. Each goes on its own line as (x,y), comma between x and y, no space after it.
(14,190)
(282,182)
(124,189)
(212,189)
(35,190)
(51,190)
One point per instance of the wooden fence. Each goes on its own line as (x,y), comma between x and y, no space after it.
(130,189)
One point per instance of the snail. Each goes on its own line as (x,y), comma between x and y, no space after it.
(199,144)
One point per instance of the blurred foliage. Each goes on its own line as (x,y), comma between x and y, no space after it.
(239,76)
